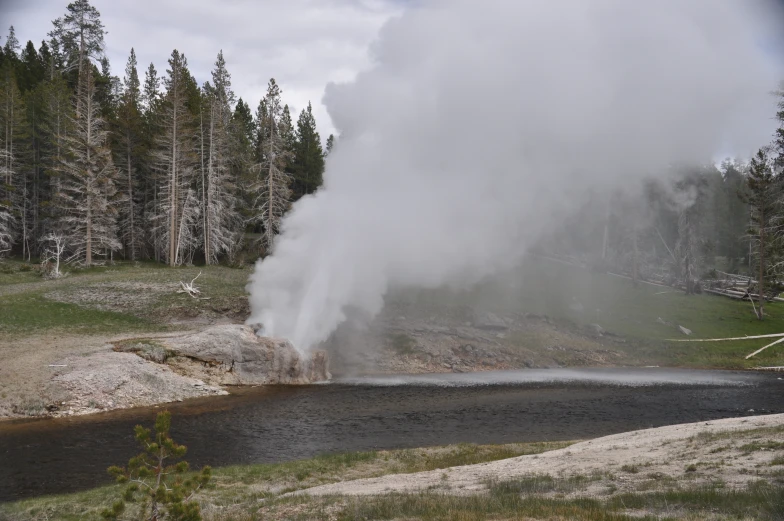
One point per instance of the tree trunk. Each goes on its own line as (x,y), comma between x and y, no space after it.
(203,188)
(89,232)
(634,259)
(131,222)
(761,279)
(173,179)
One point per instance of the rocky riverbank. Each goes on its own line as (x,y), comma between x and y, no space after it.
(152,370)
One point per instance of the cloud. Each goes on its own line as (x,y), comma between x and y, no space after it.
(304,44)
(482,125)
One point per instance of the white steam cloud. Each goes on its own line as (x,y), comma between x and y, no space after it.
(482,123)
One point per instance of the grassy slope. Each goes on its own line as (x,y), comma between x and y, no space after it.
(245,485)
(619,307)
(539,287)
(253,492)
(25,310)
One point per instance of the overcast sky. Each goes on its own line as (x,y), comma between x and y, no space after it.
(303,44)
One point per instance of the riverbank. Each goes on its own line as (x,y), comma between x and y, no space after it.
(716,470)
(542,316)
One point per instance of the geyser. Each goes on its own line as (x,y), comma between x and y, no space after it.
(481,124)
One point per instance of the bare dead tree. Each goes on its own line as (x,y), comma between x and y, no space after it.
(54,247)
(88,193)
(174,164)
(273,182)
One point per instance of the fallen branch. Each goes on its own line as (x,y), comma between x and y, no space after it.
(759,316)
(761,349)
(665,245)
(191,289)
(772,335)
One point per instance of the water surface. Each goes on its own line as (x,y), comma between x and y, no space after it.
(272,424)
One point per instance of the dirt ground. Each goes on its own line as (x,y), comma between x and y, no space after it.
(31,367)
(733,451)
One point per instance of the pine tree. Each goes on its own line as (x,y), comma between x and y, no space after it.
(243,121)
(150,94)
(32,68)
(57,118)
(274,195)
(158,479)
(763,193)
(308,155)
(689,248)
(79,35)
(289,136)
(12,141)
(221,220)
(129,152)
(778,142)
(330,144)
(109,89)
(88,194)
(174,164)
(11,47)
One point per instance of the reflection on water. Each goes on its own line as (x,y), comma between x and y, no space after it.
(268,424)
(633,377)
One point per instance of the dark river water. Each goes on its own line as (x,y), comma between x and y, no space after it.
(272,424)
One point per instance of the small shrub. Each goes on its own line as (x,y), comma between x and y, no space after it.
(401,343)
(691,468)
(163,486)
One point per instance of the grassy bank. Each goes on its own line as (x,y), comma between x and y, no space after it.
(258,492)
(241,489)
(133,297)
(644,315)
(124,297)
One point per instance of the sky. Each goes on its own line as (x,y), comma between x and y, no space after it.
(303,44)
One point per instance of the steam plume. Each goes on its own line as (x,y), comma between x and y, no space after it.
(483,123)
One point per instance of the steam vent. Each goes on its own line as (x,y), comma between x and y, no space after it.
(235,355)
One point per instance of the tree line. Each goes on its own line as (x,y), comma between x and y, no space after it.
(96,167)
(691,224)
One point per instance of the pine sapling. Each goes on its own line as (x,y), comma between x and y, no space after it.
(160,483)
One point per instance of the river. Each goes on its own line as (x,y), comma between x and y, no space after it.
(272,424)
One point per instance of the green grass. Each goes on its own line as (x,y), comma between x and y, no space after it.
(253,492)
(539,287)
(31,313)
(551,289)
(247,484)
(25,309)
(507,500)
(401,343)
(762,445)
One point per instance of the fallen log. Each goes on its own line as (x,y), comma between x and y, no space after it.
(754,337)
(761,349)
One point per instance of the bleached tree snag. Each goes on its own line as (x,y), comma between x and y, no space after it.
(273,182)
(191,289)
(88,196)
(762,198)
(758,351)
(53,251)
(174,161)
(221,222)
(672,255)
